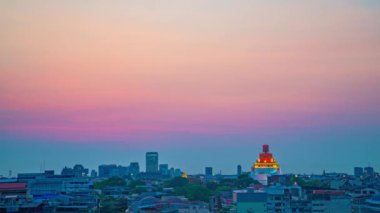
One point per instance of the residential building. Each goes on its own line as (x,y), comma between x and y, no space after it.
(326,201)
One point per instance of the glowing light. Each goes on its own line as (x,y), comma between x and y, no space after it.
(184,175)
(266,163)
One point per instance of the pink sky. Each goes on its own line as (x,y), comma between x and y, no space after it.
(86,70)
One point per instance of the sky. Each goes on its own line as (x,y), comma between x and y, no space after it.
(204,83)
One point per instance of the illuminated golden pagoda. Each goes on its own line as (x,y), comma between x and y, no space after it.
(265,166)
(184,175)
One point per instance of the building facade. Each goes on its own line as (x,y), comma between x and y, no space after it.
(208,171)
(151,159)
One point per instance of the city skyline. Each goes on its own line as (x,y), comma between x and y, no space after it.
(46,166)
(203,83)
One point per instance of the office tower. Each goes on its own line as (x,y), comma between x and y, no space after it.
(171,172)
(121,171)
(208,171)
(358,171)
(239,170)
(106,170)
(151,159)
(94,174)
(368,171)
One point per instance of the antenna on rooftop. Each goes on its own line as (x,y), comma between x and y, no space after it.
(42,166)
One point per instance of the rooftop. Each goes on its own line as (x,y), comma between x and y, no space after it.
(12,186)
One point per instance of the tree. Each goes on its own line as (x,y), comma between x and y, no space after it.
(311,183)
(244,181)
(138,190)
(134,183)
(211,186)
(113,181)
(194,191)
(110,204)
(176,182)
(223,188)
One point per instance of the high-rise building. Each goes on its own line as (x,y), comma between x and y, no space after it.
(77,171)
(94,174)
(107,170)
(67,171)
(134,168)
(239,170)
(177,173)
(208,171)
(80,171)
(171,172)
(164,169)
(265,166)
(121,171)
(151,159)
(112,170)
(358,171)
(369,171)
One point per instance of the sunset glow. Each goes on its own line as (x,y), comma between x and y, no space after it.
(127,73)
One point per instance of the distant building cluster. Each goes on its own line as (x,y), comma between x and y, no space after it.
(160,188)
(153,169)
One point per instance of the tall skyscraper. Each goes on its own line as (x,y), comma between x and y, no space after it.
(239,170)
(208,171)
(151,159)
